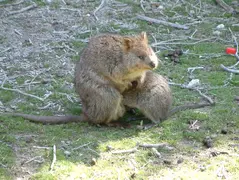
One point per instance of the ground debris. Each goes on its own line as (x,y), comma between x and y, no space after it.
(208,142)
(174,55)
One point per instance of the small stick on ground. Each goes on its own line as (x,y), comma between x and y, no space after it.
(23,9)
(2,165)
(79,147)
(153,145)
(8,49)
(20,92)
(162,145)
(194,126)
(229,70)
(41,147)
(98,8)
(225,6)
(142,6)
(125,151)
(54,158)
(155,151)
(30,160)
(205,96)
(196,89)
(157,21)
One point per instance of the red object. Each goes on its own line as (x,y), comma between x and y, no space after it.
(230,50)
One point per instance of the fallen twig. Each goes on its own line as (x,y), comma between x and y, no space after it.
(46,106)
(98,8)
(155,151)
(229,70)
(20,92)
(142,6)
(125,151)
(196,89)
(30,160)
(54,158)
(225,6)
(41,147)
(205,96)
(194,126)
(153,145)
(162,145)
(5,50)
(2,165)
(169,42)
(191,69)
(23,9)
(179,26)
(81,146)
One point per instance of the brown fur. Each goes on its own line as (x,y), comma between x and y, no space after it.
(106,69)
(153,97)
(114,72)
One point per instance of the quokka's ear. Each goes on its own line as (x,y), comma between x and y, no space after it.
(143,36)
(127,43)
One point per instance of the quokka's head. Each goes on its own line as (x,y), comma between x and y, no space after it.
(139,53)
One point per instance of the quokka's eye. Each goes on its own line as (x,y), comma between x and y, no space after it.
(141,57)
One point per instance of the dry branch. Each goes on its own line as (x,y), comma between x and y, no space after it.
(23,93)
(81,146)
(20,92)
(23,9)
(152,20)
(98,8)
(153,145)
(155,151)
(206,97)
(54,158)
(198,90)
(32,159)
(5,50)
(225,6)
(142,6)
(162,145)
(125,151)
(41,147)
(229,70)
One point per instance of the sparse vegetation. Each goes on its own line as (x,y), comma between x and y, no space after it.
(37,54)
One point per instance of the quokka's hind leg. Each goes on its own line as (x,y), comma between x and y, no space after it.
(153,98)
(102,104)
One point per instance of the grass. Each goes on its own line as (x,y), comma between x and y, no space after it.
(92,159)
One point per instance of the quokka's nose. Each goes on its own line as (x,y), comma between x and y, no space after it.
(152,64)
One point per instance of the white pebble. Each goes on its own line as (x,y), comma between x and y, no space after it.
(220,26)
(193,83)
